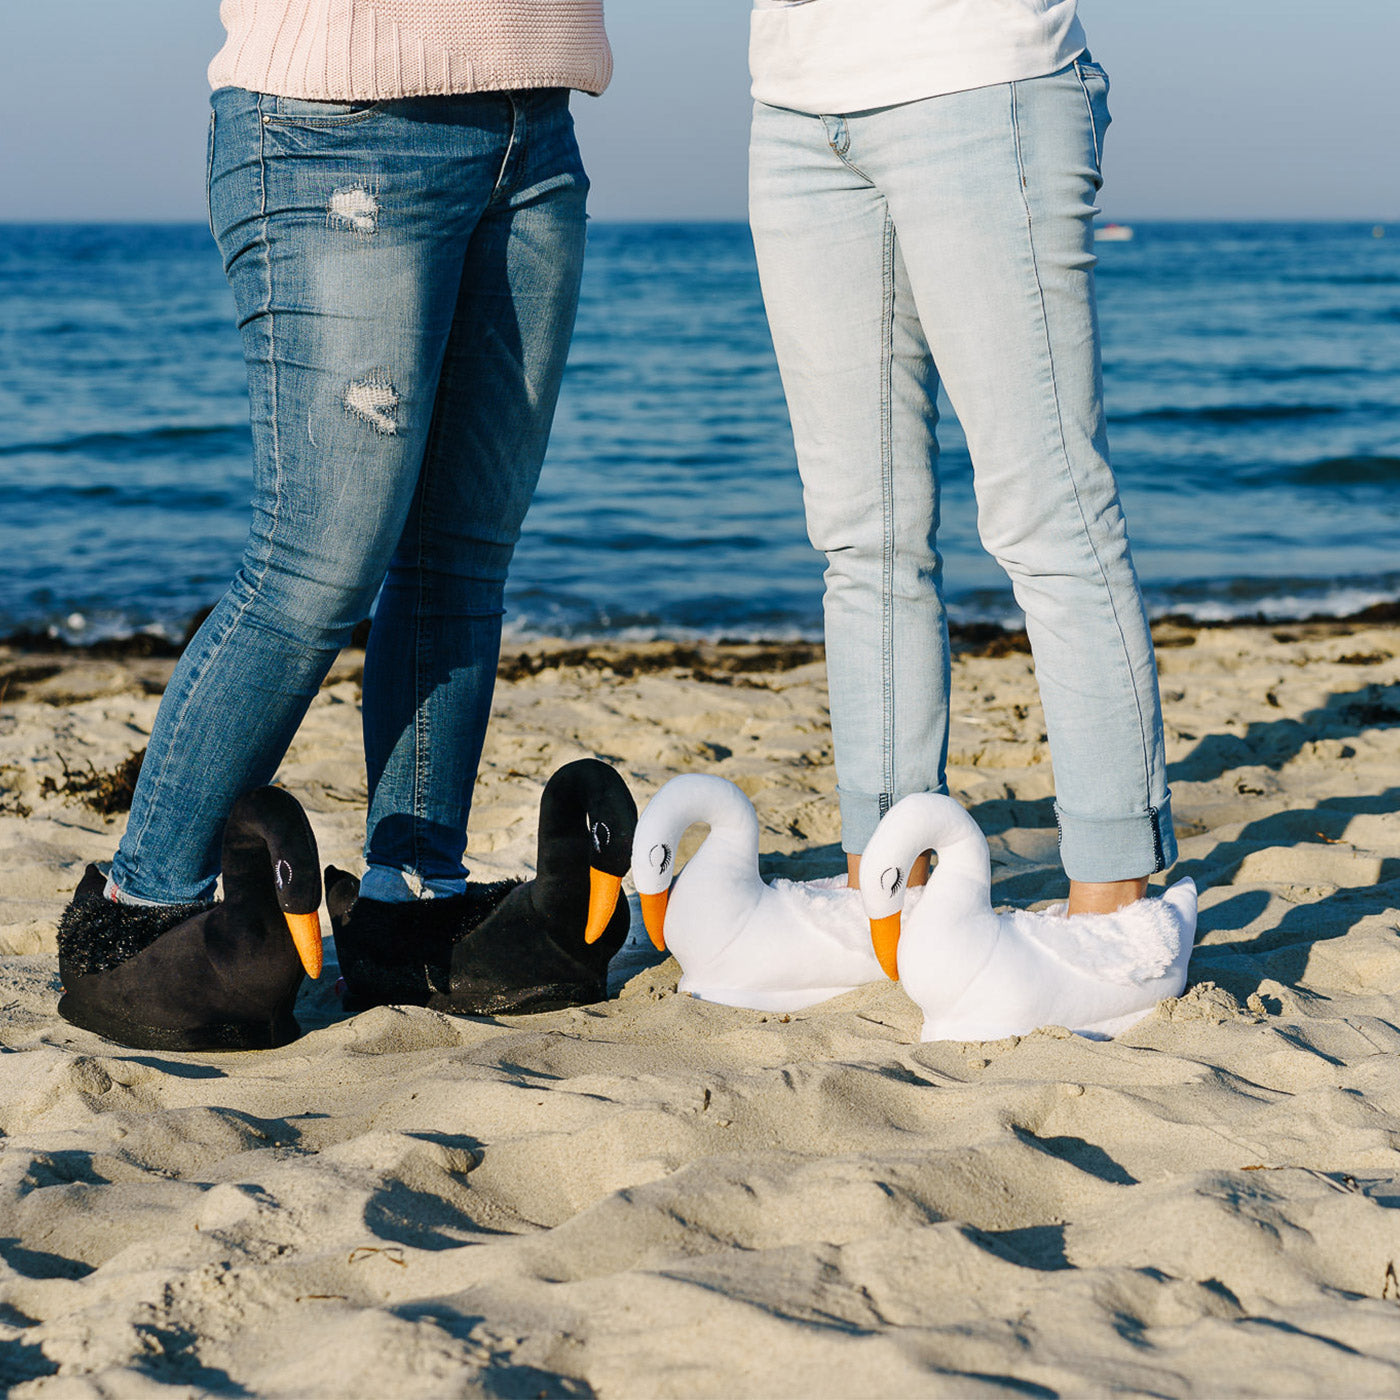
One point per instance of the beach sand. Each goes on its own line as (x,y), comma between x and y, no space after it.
(662,1197)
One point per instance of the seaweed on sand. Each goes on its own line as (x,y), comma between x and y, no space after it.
(105,793)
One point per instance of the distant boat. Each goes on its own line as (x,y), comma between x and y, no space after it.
(1114,233)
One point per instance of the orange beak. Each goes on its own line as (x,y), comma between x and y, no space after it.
(654,917)
(603,890)
(306,934)
(884,934)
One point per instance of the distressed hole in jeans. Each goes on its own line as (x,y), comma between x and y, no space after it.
(375,400)
(354,207)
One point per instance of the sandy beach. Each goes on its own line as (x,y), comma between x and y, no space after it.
(661,1197)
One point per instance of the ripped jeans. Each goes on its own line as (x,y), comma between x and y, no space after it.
(406,276)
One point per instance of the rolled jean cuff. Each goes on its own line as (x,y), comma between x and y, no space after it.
(111,890)
(861,813)
(1098,849)
(391,886)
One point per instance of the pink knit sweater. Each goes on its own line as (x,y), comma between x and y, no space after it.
(344,50)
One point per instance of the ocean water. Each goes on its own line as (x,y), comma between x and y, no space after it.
(1252,377)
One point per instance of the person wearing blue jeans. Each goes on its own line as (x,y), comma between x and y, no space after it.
(405,274)
(922,185)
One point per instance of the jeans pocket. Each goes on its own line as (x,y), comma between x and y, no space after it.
(1094,82)
(304,111)
(209,175)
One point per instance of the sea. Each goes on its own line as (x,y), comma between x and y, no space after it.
(1252,379)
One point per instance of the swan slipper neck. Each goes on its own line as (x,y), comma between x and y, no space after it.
(962,878)
(587,816)
(214,976)
(268,836)
(690,798)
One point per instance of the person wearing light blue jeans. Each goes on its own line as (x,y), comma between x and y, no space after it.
(949,240)
(406,275)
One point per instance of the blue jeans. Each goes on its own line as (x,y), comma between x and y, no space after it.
(951,240)
(406,275)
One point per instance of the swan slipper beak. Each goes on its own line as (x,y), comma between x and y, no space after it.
(654,917)
(884,936)
(603,892)
(306,937)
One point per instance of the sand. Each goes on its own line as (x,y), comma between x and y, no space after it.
(661,1197)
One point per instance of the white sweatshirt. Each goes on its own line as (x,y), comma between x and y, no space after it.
(834,56)
(352,49)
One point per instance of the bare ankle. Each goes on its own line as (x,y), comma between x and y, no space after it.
(918,872)
(1104,897)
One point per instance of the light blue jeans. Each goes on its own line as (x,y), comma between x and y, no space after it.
(406,275)
(951,240)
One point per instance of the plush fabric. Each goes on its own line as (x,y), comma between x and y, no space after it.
(1133,945)
(401,954)
(96,934)
(516,961)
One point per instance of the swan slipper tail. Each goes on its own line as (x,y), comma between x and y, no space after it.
(770,947)
(209,976)
(980,975)
(548,943)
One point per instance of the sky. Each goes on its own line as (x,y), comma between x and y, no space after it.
(1228,109)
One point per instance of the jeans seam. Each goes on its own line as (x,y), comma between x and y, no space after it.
(421,722)
(211,657)
(1065,455)
(422,745)
(887,659)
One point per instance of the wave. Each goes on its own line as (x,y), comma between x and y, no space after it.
(1233,413)
(1288,374)
(1350,279)
(57,497)
(1282,598)
(139,443)
(534,612)
(637,541)
(1348,471)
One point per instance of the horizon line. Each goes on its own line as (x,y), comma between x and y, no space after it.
(640,219)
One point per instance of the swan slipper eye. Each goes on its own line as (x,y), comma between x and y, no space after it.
(660,857)
(601,836)
(282,873)
(891,879)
